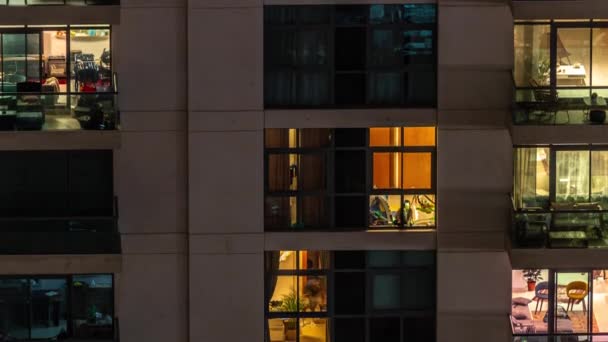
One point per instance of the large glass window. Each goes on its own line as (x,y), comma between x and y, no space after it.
(363,296)
(560,197)
(56,77)
(350,55)
(350,178)
(555,302)
(57,307)
(560,177)
(567,57)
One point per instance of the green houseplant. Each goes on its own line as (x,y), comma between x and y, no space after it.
(532,275)
(291,303)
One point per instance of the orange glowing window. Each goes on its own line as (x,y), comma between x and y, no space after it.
(417,169)
(385,136)
(386,170)
(419,136)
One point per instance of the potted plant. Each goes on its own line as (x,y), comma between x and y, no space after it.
(291,303)
(532,275)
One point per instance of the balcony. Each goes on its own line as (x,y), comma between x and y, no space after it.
(58,2)
(560,73)
(58,111)
(577,228)
(61,234)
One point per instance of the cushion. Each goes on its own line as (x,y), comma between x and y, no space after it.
(521,312)
(520,301)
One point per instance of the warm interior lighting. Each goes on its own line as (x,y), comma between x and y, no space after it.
(417,170)
(419,136)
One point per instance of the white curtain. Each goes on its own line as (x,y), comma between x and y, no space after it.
(572,178)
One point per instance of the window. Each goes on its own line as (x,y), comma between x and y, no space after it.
(58,307)
(57,77)
(57,202)
(560,197)
(350,178)
(566,57)
(554,302)
(350,55)
(364,296)
(560,176)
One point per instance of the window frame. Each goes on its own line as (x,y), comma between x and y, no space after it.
(330,194)
(554,26)
(369,68)
(69,278)
(369,313)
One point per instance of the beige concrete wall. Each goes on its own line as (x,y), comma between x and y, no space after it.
(225,146)
(474,170)
(151,170)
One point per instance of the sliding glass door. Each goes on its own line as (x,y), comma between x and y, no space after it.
(571,309)
(21,59)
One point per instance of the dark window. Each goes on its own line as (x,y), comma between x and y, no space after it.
(58,307)
(330,289)
(350,56)
(349,178)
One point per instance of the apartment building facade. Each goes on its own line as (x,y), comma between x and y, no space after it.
(214,170)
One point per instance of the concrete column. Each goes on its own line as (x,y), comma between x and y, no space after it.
(225,130)
(151,172)
(474,170)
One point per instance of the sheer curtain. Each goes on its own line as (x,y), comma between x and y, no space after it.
(525,176)
(572,178)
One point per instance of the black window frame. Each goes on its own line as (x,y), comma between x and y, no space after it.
(330,28)
(369,271)
(329,194)
(69,300)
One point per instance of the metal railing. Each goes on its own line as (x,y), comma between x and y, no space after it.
(61,234)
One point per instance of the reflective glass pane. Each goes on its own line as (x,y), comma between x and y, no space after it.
(572,178)
(314,260)
(384,259)
(349,329)
(284,294)
(417,47)
(314,329)
(599,177)
(91,60)
(313,293)
(385,211)
(350,171)
(600,57)
(312,88)
(386,170)
(385,136)
(92,306)
(280,212)
(49,306)
(417,170)
(419,210)
(383,47)
(349,293)
(282,172)
(386,292)
(530,301)
(572,301)
(418,289)
(384,88)
(419,136)
(532,66)
(312,48)
(311,174)
(287,260)
(600,298)
(15,311)
(531,184)
(573,57)
(385,329)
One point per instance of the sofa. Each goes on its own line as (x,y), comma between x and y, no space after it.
(522,321)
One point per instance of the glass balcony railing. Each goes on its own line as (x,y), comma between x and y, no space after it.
(58,2)
(61,234)
(543,106)
(58,111)
(525,331)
